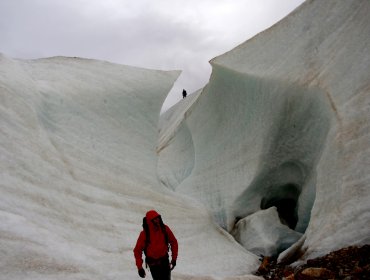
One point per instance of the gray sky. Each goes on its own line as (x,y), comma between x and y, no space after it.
(157,34)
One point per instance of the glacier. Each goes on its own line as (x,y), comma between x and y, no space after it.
(270,157)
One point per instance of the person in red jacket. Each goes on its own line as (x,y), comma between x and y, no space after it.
(155,241)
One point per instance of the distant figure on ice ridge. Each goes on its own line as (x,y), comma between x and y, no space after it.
(184,94)
(155,240)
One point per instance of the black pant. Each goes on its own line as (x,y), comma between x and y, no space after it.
(161,270)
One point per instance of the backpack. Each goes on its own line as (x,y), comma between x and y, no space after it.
(147,234)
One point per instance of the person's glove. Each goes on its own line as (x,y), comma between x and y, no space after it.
(141,272)
(173,264)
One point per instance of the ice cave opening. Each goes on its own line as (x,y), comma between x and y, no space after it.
(274,210)
(285,201)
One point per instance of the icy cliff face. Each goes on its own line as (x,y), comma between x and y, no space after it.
(284,122)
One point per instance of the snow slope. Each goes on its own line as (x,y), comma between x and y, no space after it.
(284,122)
(78,173)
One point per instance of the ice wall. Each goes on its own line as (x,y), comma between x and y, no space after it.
(284,122)
(78,173)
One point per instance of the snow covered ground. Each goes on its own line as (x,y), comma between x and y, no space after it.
(283,122)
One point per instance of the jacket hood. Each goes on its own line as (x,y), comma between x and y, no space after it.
(150,215)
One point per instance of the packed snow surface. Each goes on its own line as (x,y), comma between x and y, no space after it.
(273,153)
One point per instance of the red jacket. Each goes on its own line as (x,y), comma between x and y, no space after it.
(157,247)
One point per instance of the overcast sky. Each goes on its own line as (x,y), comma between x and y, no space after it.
(157,34)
